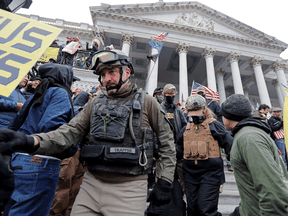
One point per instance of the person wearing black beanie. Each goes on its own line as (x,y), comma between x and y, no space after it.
(257,165)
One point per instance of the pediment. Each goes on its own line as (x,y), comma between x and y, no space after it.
(195,20)
(188,16)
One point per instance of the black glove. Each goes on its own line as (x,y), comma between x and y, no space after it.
(11,141)
(161,193)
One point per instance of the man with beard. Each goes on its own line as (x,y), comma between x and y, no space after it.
(260,173)
(119,152)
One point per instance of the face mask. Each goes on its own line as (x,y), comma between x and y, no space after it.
(169,100)
(160,99)
(198,119)
(204,96)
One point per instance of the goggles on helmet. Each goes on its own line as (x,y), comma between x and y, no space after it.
(109,58)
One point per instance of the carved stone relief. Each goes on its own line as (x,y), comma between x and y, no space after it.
(193,19)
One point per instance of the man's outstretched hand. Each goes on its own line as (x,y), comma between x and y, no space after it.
(11,141)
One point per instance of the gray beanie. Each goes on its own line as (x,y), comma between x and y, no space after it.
(236,107)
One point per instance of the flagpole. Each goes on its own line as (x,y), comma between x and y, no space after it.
(192,87)
(99,34)
(149,74)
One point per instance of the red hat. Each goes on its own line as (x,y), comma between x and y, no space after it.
(69,38)
(77,38)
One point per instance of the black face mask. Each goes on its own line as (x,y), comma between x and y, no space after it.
(169,99)
(160,99)
(198,119)
(204,96)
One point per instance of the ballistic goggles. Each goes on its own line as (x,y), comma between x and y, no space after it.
(110,58)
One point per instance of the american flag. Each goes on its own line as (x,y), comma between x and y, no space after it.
(161,37)
(279,134)
(210,94)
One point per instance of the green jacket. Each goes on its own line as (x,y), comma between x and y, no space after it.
(260,172)
(55,142)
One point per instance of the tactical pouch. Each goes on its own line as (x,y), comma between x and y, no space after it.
(110,122)
(122,155)
(195,150)
(92,152)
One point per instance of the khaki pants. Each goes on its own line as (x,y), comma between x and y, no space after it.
(99,198)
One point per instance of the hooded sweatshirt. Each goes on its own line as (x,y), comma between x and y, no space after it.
(259,171)
(50,107)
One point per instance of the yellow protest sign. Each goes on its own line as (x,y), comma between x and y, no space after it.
(51,52)
(22,42)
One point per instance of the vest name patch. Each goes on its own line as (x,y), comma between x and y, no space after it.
(123,150)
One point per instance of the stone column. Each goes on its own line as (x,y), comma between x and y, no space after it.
(221,87)
(152,78)
(182,49)
(279,67)
(246,91)
(208,54)
(127,40)
(256,63)
(233,58)
(275,83)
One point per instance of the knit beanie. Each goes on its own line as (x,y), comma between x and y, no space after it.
(236,107)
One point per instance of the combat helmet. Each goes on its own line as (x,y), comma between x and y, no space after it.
(111,58)
(169,89)
(195,102)
(157,90)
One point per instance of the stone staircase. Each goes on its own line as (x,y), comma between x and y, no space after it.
(229,198)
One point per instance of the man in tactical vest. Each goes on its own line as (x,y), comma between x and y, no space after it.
(202,165)
(119,153)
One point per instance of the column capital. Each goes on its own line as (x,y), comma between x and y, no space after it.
(278,65)
(220,72)
(233,57)
(208,52)
(182,47)
(256,61)
(127,38)
(275,83)
(246,88)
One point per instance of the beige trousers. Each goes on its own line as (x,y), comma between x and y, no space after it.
(109,199)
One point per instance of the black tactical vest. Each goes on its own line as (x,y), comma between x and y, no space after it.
(117,141)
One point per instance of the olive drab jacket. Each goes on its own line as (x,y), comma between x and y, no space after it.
(153,115)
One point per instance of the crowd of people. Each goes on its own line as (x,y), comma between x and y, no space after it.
(67,54)
(97,152)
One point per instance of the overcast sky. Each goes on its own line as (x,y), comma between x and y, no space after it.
(269,17)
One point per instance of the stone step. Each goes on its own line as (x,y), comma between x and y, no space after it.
(226,209)
(229,197)
(229,176)
(230,185)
